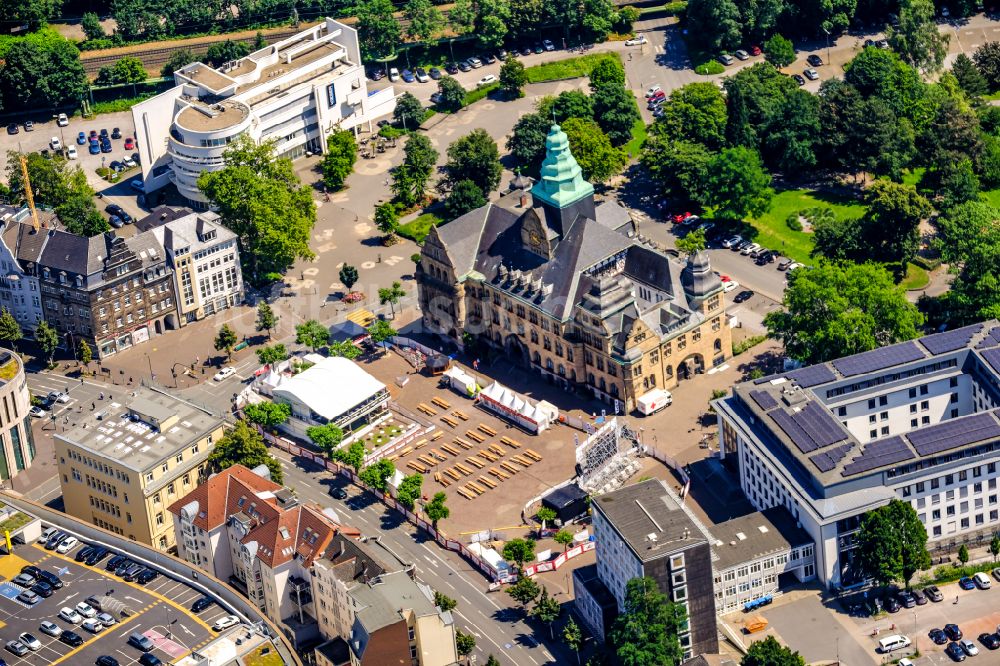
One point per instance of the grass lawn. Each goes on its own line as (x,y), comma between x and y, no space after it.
(992,197)
(14,521)
(381,436)
(638,138)
(913,176)
(418,229)
(570,68)
(916,278)
(773,233)
(265,655)
(9,370)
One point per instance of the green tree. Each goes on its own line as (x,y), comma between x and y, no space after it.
(680,168)
(524,591)
(348,276)
(391,295)
(91,26)
(593,151)
(272,354)
(352,455)
(572,636)
(790,144)
(492,661)
(40,71)
(79,215)
(436,509)
(409,179)
(715,24)
(409,111)
(519,551)
(452,94)
(444,602)
(893,220)
(696,112)
(737,185)
(220,53)
(957,183)
(47,340)
(409,490)
(125,70)
(527,141)
(513,78)
(892,543)
(465,196)
(260,199)
(178,59)
(599,17)
(769,652)
(10,330)
(464,643)
(84,355)
(779,51)
(33,14)
(917,38)
(564,538)
(243,445)
(692,243)
(267,414)
(462,17)
(995,547)
(341,154)
(266,319)
(646,633)
(963,554)
(377,474)
(327,437)
(607,72)
(345,348)
(836,310)
(425,21)
(616,112)
(387,221)
(312,333)
(474,157)
(258,41)
(987,59)
(567,104)
(380,331)
(547,611)
(968,76)
(491,22)
(545,515)
(627,16)
(225,340)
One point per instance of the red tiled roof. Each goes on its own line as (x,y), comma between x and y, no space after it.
(301,530)
(218,497)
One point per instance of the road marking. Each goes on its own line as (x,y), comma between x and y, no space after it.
(435,564)
(548,656)
(306,484)
(465,599)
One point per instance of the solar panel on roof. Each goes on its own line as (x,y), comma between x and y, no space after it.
(812,375)
(955,433)
(940,343)
(991,339)
(799,437)
(878,359)
(827,460)
(992,356)
(764,399)
(821,427)
(879,454)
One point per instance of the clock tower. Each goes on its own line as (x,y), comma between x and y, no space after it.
(561,192)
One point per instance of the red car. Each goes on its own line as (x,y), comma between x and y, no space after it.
(657,96)
(755,50)
(129,143)
(680,218)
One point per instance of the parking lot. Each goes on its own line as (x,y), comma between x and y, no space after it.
(158,610)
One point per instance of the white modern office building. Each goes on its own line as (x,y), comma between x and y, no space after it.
(293,92)
(915,421)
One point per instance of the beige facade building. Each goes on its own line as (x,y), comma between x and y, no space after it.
(124,465)
(17,444)
(560,284)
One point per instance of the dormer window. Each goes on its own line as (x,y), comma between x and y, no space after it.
(207,236)
(62,277)
(79,281)
(122,270)
(46,273)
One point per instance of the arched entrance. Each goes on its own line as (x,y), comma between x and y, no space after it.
(690,366)
(158,327)
(516,350)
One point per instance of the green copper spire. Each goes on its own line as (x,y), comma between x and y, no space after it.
(562,180)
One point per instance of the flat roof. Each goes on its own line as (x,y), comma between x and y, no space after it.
(299,60)
(648,518)
(202,117)
(112,434)
(205,75)
(378,603)
(756,535)
(332,387)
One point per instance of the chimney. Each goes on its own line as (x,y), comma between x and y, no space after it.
(524,200)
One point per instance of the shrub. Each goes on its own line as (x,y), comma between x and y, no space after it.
(709,68)
(740,347)
(926,263)
(793,222)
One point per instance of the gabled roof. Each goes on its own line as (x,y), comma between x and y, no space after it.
(283,534)
(79,255)
(218,497)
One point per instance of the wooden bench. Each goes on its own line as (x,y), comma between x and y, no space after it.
(469,487)
(450,449)
(440,402)
(475,462)
(440,479)
(466,494)
(464,444)
(510,442)
(414,465)
(438,435)
(488,430)
(453,423)
(392,457)
(460,414)
(463,469)
(475,436)
(531,454)
(497,473)
(420,444)
(405,452)
(489,456)
(498,450)
(475,486)
(453,474)
(427,460)
(427,409)
(510,468)
(523,462)
(486,482)
(437,454)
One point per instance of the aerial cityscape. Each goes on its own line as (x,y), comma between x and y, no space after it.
(496,332)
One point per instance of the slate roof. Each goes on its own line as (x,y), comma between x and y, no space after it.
(74,254)
(378,603)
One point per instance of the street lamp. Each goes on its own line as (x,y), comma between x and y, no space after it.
(827,45)
(152,377)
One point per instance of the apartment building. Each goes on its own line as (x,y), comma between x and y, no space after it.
(644,530)
(204,258)
(294,93)
(17,442)
(19,244)
(915,421)
(124,464)
(561,285)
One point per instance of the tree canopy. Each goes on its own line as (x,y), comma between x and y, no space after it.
(243,446)
(40,70)
(475,157)
(646,632)
(769,652)
(892,543)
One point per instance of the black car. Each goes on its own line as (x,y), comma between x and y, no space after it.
(337,492)
(464,66)
(919,597)
(146,576)
(765,257)
(938,636)
(96,555)
(116,133)
(746,295)
(955,651)
(116,166)
(376,73)
(814,60)
(133,574)
(115,562)
(123,567)
(539,48)
(907,599)
(954,633)
(488,58)
(891,605)
(13,129)
(148,659)
(799,79)
(116,222)
(83,553)
(201,604)
(105,660)
(31,570)
(933,593)
(869,42)
(451,68)
(53,580)
(104,133)
(991,641)
(434,73)
(42,589)
(71,638)
(526,51)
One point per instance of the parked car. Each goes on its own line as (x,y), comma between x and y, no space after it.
(798,78)
(50,628)
(919,596)
(488,58)
(226,622)
(652,90)
(938,636)
(435,73)
(464,66)
(729,242)
(29,126)
(29,597)
(966,583)
(408,76)
(12,128)
(744,295)
(116,222)
(539,48)
(765,257)
(17,647)
(224,374)
(105,660)
(638,40)
(85,609)
(24,580)
(811,74)
(107,619)
(106,147)
(148,659)
(891,605)
(337,492)
(71,638)
(62,120)
(53,580)
(71,153)
(133,573)
(968,647)
(93,625)
(68,544)
(94,148)
(81,138)
(129,143)
(981,580)
(116,133)
(451,68)
(136,184)
(475,62)
(36,412)
(814,60)
(548,45)
(376,73)
(115,562)
(747,249)
(393,74)
(725,59)
(953,632)
(784,264)
(128,162)
(882,43)
(502,54)
(730,286)
(58,396)
(489,79)
(421,75)
(955,651)
(991,641)
(755,50)
(146,576)
(42,589)
(742,55)
(30,641)
(201,604)
(907,599)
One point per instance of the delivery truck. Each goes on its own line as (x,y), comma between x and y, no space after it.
(654,401)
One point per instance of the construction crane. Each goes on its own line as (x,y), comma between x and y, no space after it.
(27,192)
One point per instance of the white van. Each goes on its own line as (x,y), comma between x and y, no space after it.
(894,642)
(654,401)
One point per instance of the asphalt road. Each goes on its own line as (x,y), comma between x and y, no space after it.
(498,628)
